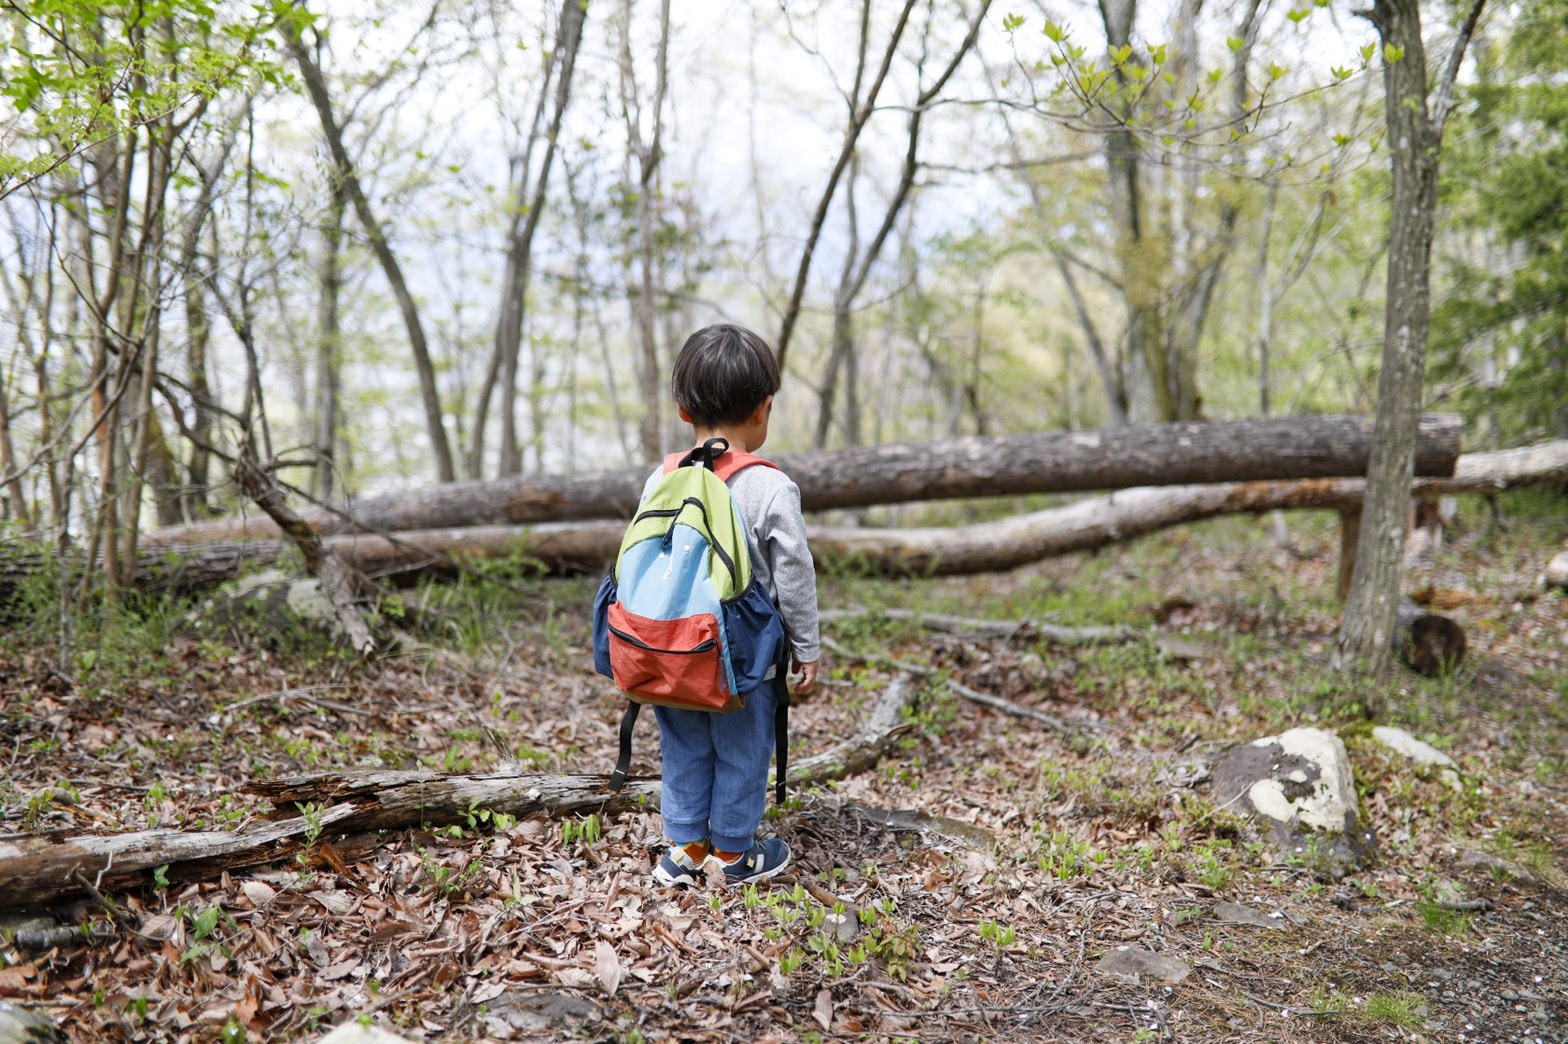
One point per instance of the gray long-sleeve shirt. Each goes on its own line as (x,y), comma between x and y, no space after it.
(769,502)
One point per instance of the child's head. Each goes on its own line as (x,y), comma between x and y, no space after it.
(722,375)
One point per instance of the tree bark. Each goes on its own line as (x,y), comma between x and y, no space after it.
(1325,446)
(1415,134)
(43,868)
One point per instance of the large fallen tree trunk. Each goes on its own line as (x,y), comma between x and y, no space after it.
(977,466)
(1088,524)
(37,869)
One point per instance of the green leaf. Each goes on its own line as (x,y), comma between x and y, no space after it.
(1341,72)
(1392,54)
(206,921)
(1297,15)
(1342,139)
(1368,51)
(1235,43)
(1276,71)
(1121,54)
(1216,75)
(1157,54)
(1013,22)
(1054,32)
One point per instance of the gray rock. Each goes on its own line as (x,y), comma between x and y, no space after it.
(1300,786)
(1135,966)
(355,1032)
(1235,913)
(532,1012)
(269,606)
(1402,742)
(19,1025)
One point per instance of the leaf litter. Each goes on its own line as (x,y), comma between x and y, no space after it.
(547,928)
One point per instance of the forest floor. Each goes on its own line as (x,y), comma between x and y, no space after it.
(1070,843)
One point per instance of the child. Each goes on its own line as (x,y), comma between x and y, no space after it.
(716,765)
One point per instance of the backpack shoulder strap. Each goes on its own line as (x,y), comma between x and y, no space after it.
(734,462)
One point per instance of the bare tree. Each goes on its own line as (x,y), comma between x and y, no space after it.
(321,99)
(857,265)
(528,192)
(858,117)
(648,152)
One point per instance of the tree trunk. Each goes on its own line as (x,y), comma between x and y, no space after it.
(329,345)
(44,868)
(1325,446)
(1415,134)
(565,548)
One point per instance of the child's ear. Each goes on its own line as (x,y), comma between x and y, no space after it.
(760,414)
(684,415)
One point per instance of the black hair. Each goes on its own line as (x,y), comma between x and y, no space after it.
(722,374)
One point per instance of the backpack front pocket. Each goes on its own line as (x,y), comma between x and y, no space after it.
(673,663)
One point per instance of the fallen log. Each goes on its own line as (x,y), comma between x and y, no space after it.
(977,466)
(38,869)
(1089,524)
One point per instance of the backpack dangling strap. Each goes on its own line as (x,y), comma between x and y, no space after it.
(706,455)
(623,763)
(781,725)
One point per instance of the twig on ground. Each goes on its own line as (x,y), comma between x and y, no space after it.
(975,627)
(959,689)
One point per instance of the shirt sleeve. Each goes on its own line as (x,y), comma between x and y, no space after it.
(783,529)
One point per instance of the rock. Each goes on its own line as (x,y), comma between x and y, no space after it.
(1235,913)
(535,1013)
(19,1025)
(1401,742)
(1557,571)
(270,607)
(1134,965)
(355,1032)
(1299,783)
(1471,859)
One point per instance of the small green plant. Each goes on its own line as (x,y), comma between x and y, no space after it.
(1394,1009)
(586,831)
(998,935)
(310,811)
(478,817)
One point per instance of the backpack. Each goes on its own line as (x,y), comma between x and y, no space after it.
(680,621)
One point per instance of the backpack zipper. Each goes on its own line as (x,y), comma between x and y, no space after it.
(701,647)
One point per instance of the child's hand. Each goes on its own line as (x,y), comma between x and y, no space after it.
(807,679)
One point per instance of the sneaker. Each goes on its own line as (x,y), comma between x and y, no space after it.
(677,869)
(758,863)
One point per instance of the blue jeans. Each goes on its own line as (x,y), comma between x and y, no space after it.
(716,772)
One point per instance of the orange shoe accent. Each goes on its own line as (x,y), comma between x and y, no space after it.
(726,857)
(697,850)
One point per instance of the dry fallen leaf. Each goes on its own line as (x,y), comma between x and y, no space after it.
(822,1011)
(607,966)
(258,892)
